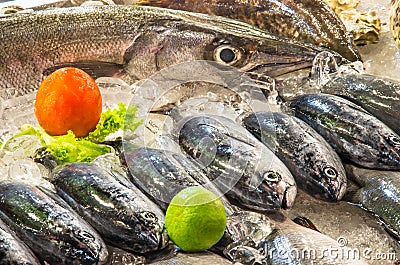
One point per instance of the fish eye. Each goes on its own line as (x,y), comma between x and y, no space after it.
(148,216)
(227,54)
(330,172)
(272,176)
(395,140)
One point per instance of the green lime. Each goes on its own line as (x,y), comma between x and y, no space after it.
(195,219)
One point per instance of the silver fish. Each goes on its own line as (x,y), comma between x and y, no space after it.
(379,193)
(237,163)
(354,227)
(163,173)
(355,134)
(379,96)
(275,239)
(135,42)
(121,213)
(313,162)
(43,221)
(12,250)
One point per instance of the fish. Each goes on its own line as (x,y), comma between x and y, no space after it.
(311,21)
(134,42)
(13,250)
(378,95)
(314,164)
(118,210)
(54,232)
(273,238)
(241,167)
(163,173)
(348,223)
(355,134)
(291,243)
(379,194)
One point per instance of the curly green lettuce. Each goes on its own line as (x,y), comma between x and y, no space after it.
(69,148)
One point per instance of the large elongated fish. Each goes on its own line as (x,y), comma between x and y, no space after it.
(310,21)
(135,42)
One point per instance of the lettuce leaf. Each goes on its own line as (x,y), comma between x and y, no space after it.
(69,148)
(114,119)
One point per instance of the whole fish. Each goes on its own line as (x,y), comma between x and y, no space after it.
(379,193)
(135,42)
(356,228)
(12,250)
(162,174)
(379,96)
(356,135)
(119,211)
(314,164)
(237,163)
(52,230)
(311,21)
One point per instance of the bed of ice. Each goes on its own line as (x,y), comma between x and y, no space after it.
(359,229)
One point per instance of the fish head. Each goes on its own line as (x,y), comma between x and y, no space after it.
(263,54)
(221,40)
(332,184)
(281,189)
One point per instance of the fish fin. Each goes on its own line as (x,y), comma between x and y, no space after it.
(93,68)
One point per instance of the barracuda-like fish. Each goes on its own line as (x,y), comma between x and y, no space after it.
(314,164)
(310,21)
(379,96)
(135,42)
(53,231)
(379,193)
(237,163)
(354,133)
(121,213)
(12,250)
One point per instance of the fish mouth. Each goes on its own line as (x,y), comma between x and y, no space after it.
(275,65)
(289,197)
